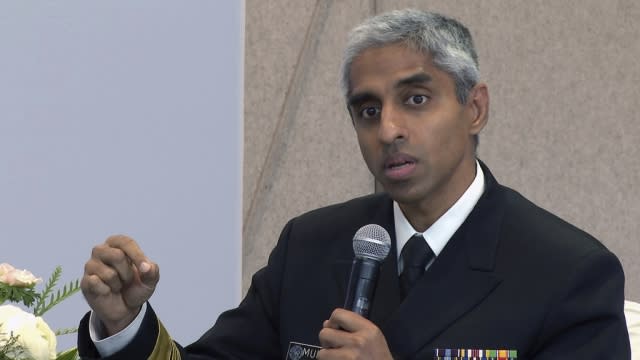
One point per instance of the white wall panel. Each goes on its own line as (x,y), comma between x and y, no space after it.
(125,117)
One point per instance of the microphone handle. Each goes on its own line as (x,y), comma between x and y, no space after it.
(362,285)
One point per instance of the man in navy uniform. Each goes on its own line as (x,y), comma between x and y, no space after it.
(497,276)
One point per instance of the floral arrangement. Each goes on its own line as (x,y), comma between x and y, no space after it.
(25,335)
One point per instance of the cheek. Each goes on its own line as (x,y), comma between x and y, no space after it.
(367,149)
(439,144)
(448,133)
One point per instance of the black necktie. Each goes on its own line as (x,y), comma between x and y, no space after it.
(415,256)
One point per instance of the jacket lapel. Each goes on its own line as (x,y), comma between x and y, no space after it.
(387,295)
(458,280)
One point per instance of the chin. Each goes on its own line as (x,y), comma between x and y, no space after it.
(402,194)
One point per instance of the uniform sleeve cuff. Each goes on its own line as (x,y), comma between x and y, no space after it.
(107,346)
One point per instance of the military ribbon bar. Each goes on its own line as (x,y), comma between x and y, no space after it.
(474,354)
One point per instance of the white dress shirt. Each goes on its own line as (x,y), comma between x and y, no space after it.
(438,234)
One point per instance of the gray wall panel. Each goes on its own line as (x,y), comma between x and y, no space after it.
(563,131)
(275,34)
(313,160)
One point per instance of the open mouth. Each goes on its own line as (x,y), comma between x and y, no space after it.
(399,166)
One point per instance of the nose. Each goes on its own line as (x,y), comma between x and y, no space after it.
(392,126)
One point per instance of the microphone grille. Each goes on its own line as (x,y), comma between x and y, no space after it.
(372,241)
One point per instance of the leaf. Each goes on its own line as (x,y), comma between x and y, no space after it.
(25,295)
(71,354)
(69,289)
(48,289)
(66,331)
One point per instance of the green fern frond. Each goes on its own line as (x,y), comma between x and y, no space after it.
(60,295)
(47,291)
(66,331)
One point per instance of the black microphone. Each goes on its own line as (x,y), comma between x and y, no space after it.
(371,245)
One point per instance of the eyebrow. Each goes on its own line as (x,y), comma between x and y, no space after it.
(353,100)
(420,78)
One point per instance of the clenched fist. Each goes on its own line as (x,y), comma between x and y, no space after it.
(118,279)
(347,335)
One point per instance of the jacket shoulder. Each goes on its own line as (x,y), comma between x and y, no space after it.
(540,228)
(360,208)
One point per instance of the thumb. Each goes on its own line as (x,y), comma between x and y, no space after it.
(149,273)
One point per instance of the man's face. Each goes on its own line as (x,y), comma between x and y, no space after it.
(415,136)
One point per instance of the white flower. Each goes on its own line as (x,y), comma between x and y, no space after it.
(17,278)
(34,335)
(5,268)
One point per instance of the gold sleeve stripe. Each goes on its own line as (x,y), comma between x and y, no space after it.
(165,348)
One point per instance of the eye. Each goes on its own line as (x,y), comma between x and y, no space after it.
(369,112)
(416,100)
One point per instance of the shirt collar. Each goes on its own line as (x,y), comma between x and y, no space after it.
(438,234)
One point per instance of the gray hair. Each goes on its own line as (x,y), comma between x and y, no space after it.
(447,41)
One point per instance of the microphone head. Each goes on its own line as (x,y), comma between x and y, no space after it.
(372,241)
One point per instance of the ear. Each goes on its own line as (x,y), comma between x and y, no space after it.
(478,107)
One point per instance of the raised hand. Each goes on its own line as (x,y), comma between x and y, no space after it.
(118,279)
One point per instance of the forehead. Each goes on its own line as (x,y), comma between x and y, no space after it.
(383,67)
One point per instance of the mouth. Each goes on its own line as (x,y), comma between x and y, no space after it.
(399,166)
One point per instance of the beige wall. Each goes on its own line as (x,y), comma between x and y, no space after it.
(564,82)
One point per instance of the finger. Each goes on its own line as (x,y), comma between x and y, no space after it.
(329,324)
(332,338)
(346,320)
(116,259)
(93,286)
(107,274)
(148,271)
(130,248)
